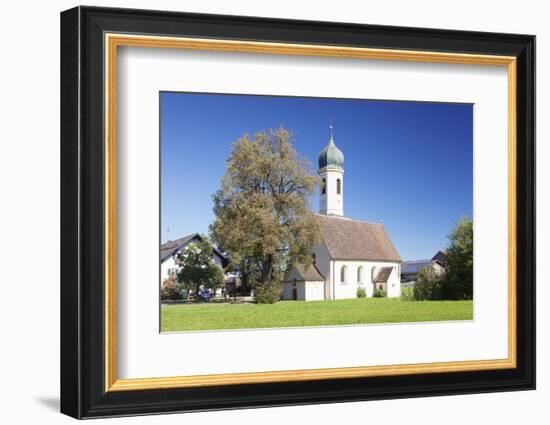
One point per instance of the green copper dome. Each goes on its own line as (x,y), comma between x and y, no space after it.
(331,156)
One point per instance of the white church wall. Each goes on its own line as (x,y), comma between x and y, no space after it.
(322,262)
(288,289)
(348,289)
(394,284)
(314,291)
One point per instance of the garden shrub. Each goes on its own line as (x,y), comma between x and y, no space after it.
(361,293)
(169,289)
(268,293)
(428,285)
(379,293)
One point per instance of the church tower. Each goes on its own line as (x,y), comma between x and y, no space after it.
(331,171)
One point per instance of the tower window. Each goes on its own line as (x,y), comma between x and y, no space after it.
(324,186)
(338,186)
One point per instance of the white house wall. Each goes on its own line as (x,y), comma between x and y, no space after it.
(166,265)
(170,263)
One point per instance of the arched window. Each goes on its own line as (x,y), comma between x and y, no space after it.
(338,186)
(324,186)
(360,274)
(343,272)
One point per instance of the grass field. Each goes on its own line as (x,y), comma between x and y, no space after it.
(209,316)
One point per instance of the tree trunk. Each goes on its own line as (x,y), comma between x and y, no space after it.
(267,270)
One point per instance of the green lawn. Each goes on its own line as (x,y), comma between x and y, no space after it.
(191,317)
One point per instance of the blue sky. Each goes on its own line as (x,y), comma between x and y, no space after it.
(407,164)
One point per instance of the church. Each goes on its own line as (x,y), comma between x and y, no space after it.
(353,256)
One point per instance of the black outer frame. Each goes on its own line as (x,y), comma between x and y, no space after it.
(82,206)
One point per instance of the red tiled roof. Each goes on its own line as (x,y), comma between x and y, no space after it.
(348,239)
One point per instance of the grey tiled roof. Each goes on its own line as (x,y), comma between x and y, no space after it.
(440,256)
(348,239)
(166,249)
(170,247)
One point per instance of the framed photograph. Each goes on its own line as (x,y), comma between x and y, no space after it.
(261,212)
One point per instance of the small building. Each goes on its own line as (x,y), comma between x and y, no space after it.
(169,255)
(305,284)
(383,276)
(410,270)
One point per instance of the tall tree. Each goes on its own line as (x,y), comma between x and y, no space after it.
(197,267)
(458,280)
(261,208)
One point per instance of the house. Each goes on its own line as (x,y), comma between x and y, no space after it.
(410,269)
(169,252)
(352,254)
(440,256)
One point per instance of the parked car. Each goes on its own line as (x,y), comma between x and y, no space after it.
(204,295)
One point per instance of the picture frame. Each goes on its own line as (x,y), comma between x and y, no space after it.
(90,39)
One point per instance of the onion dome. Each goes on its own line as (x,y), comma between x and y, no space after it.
(331,156)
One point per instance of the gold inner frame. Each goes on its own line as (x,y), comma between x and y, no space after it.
(113,41)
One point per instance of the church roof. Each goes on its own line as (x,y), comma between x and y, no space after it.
(299,272)
(383,275)
(348,239)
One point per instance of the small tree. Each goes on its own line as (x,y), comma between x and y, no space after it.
(169,289)
(198,267)
(428,285)
(458,283)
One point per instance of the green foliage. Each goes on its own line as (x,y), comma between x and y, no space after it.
(262,215)
(198,267)
(268,293)
(169,289)
(361,293)
(407,294)
(458,281)
(428,285)
(379,293)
